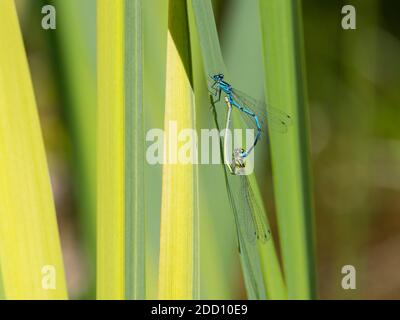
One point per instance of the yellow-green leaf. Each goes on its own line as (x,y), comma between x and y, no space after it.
(110,146)
(178,243)
(30,253)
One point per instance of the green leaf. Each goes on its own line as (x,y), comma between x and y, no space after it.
(286,88)
(134,154)
(74,58)
(251,263)
(121,209)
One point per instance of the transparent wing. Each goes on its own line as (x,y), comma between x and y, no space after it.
(210,82)
(241,213)
(244,212)
(277,119)
(256,226)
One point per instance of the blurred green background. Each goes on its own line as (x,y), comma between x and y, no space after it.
(353,79)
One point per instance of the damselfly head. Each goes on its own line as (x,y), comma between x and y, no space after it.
(238,158)
(238,162)
(218,77)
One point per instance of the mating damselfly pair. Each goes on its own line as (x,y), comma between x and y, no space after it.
(255,115)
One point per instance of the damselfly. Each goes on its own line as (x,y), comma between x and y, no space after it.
(248,209)
(255,114)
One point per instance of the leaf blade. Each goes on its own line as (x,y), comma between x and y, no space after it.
(285,87)
(30,249)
